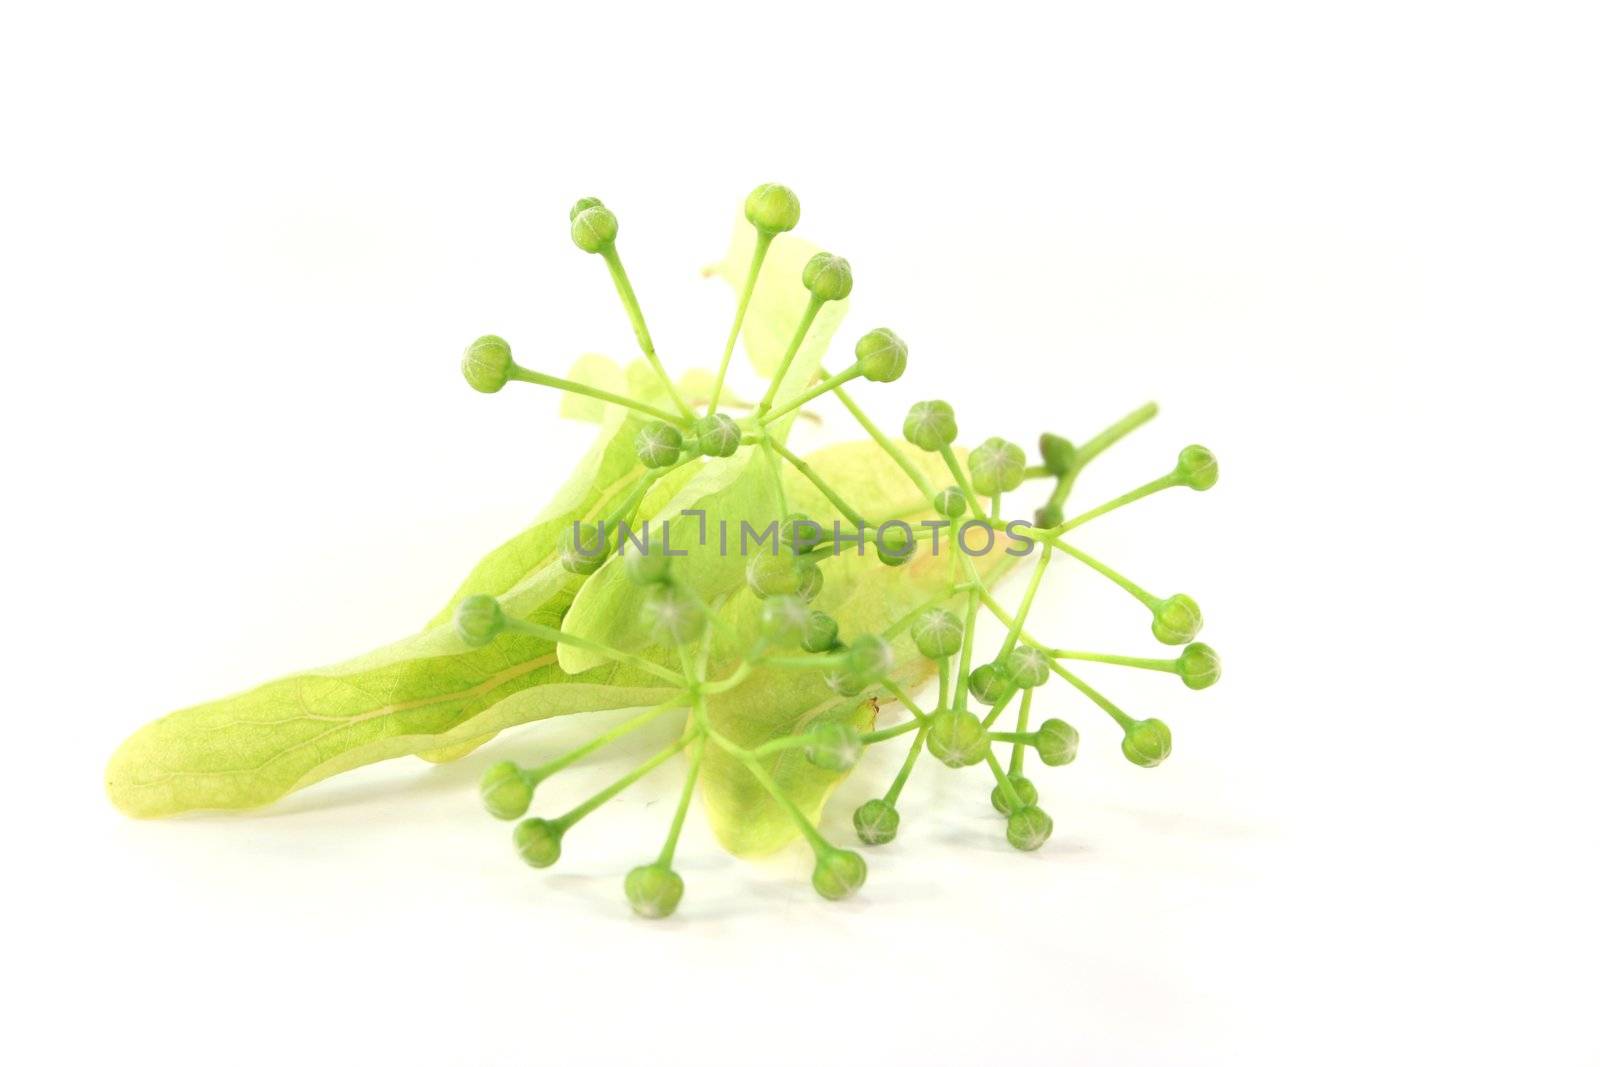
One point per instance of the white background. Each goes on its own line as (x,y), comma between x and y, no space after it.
(1349,246)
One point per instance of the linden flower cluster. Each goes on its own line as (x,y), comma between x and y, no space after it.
(961,726)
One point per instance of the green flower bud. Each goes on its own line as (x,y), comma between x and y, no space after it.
(950,502)
(1057,452)
(1147,742)
(1047,516)
(988,684)
(930,425)
(1057,743)
(895,544)
(780,573)
(1197,468)
(876,822)
(844,682)
(957,738)
(673,615)
(583,552)
(653,891)
(1028,828)
(594,229)
(870,657)
(652,566)
(996,466)
(838,873)
(479,620)
(1176,620)
(800,532)
(1026,792)
(827,276)
(820,633)
(717,435)
(810,584)
(658,444)
(486,364)
(772,208)
(1199,666)
(1027,667)
(583,204)
(505,791)
(937,633)
(881,355)
(538,842)
(833,746)
(783,620)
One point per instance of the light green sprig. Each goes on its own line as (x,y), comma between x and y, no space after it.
(718,637)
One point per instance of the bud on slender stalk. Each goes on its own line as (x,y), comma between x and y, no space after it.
(1057,743)
(506,791)
(957,738)
(930,425)
(772,209)
(653,891)
(876,822)
(996,466)
(1147,742)
(1176,620)
(838,873)
(881,355)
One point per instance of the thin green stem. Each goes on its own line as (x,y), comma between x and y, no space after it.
(968,632)
(566,821)
(892,731)
(1027,603)
(763,242)
(814,306)
(732,681)
(1113,433)
(619,278)
(624,511)
(1149,600)
(811,394)
(1019,749)
(894,450)
(1018,736)
(950,461)
(819,844)
(850,513)
(1143,663)
(665,858)
(1007,790)
(1098,444)
(523,374)
(1000,706)
(905,768)
(944,680)
(903,697)
(621,730)
(998,611)
(1123,718)
(1166,481)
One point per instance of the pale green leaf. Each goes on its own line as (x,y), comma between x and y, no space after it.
(429,692)
(602,372)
